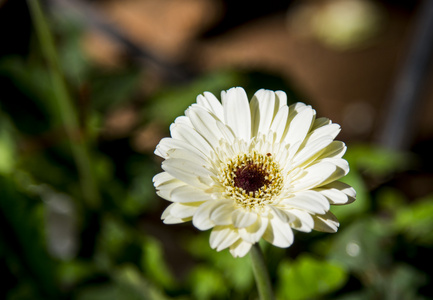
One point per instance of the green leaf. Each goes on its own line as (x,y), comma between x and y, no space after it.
(375,160)
(132,283)
(112,89)
(399,282)
(24,290)
(112,241)
(141,192)
(23,237)
(363,199)
(360,247)
(307,278)
(126,283)
(30,84)
(415,221)
(7,146)
(70,49)
(390,200)
(172,102)
(153,263)
(71,273)
(237,272)
(207,283)
(106,291)
(402,283)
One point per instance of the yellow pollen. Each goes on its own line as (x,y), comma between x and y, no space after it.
(252,180)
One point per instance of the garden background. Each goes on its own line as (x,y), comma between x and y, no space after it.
(79,217)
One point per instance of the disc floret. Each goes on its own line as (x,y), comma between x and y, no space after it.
(252,180)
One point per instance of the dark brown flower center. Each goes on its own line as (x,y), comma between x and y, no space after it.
(251,177)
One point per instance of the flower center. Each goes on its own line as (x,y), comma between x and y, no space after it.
(251,177)
(252,180)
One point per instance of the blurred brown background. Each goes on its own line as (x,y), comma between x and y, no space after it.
(344,56)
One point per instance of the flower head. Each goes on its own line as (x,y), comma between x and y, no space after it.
(252,170)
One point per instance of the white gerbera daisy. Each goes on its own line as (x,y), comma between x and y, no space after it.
(252,170)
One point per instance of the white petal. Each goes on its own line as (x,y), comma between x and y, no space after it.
(166,144)
(299,126)
(331,130)
(168,218)
(242,218)
(188,155)
(237,112)
(262,111)
(296,108)
(221,213)
(166,212)
(205,124)
(222,237)
(341,170)
(279,233)
(338,192)
(308,200)
(254,232)
(319,122)
(280,213)
(303,221)
(211,103)
(314,176)
(230,237)
(311,150)
(334,196)
(162,178)
(188,193)
(281,98)
(201,219)
(282,156)
(335,150)
(240,248)
(190,135)
(326,223)
(226,132)
(165,183)
(188,172)
(182,120)
(280,122)
(343,187)
(182,211)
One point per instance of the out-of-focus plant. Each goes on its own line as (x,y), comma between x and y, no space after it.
(121,250)
(338,24)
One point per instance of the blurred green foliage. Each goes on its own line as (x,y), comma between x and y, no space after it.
(309,278)
(54,246)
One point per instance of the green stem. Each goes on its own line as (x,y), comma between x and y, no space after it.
(66,108)
(261,274)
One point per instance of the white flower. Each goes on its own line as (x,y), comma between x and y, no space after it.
(252,170)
